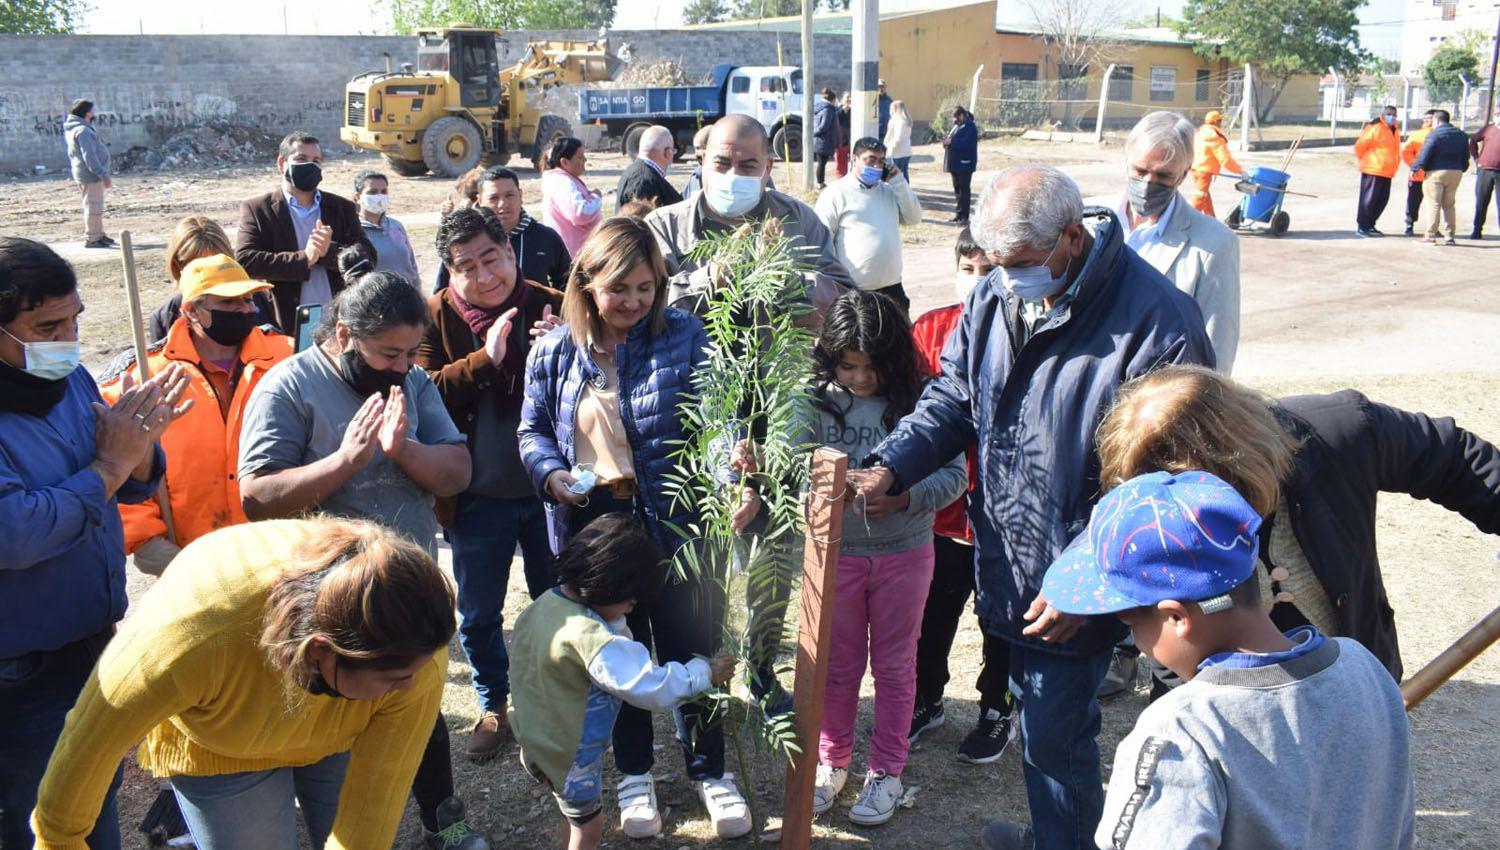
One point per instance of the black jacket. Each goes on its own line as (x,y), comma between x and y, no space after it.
(1352,449)
(640,181)
(1446,149)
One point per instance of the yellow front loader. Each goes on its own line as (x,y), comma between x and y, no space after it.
(457,108)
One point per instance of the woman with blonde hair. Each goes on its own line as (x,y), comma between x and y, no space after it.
(898,137)
(598,428)
(196,237)
(1313,466)
(284,661)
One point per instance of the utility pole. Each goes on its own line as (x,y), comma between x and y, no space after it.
(808,94)
(864,118)
(1489,101)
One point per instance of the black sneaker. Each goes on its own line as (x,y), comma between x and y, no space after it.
(453,832)
(990,737)
(925,717)
(1375,231)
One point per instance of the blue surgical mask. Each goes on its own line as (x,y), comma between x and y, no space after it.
(1390,120)
(731,195)
(50,361)
(1034,283)
(870,175)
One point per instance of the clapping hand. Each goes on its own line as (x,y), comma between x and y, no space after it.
(361,434)
(546,323)
(496,338)
(393,425)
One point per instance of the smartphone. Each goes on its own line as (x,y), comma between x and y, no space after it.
(309,316)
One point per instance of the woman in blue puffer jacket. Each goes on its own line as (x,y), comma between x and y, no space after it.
(602,397)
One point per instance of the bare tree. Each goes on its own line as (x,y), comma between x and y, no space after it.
(1080,35)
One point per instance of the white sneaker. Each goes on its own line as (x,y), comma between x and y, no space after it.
(827,786)
(639,816)
(726,807)
(877,800)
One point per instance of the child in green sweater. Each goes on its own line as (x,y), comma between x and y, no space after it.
(573,663)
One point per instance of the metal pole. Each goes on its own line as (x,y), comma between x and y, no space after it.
(1333,107)
(1405,102)
(1463,103)
(974,89)
(142,365)
(1103,103)
(808,93)
(1489,100)
(1247,96)
(864,118)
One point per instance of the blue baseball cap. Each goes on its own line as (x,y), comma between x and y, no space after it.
(1188,537)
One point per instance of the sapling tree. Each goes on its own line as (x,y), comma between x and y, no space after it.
(750,398)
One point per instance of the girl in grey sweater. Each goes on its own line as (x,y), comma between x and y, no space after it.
(867,378)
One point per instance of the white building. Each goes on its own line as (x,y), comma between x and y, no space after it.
(1428,23)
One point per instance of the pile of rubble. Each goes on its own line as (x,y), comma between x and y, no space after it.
(663,72)
(208,145)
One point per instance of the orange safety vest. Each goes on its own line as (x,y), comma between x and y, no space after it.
(1413,147)
(1211,151)
(203,447)
(1378,149)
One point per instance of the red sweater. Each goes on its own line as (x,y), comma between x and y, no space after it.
(931,332)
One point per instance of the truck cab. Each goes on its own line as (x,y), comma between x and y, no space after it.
(768,93)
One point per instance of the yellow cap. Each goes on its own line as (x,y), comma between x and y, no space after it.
(1213,117)
(217,275)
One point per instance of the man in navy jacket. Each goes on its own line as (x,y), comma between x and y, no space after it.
(1444,157)
(1043,345)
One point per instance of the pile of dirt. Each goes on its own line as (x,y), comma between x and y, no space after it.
(663,72)
(211,145)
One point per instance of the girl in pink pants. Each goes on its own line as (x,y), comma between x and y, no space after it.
(867,378)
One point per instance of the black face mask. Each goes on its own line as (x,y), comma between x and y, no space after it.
(319,686)
(22,392)
(229,327)
(304,175)
(365,379)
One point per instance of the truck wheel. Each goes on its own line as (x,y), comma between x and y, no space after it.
(405,167)
(631,145)
(787,142)
(451,146)
(548,130)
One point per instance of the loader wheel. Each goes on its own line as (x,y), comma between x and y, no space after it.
(451,146)
(548,130)
(405,167)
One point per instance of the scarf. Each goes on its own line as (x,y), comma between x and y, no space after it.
(25,393)
(480,320)
(522,224)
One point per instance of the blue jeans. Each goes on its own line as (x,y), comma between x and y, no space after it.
(36,691)
(484,537)
(254,810)
(1060,742)
(902,162)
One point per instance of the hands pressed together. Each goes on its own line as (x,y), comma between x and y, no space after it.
(126,432)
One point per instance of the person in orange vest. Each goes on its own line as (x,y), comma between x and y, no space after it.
(1379,152)
(217,341)
(1210,156)
(1414,175)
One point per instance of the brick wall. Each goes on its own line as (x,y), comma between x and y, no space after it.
(145,85)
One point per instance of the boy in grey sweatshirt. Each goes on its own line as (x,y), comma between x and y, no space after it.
(1278,740)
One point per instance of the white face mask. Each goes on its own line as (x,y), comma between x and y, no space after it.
(730,194)
(375,204)
(50,361)
(963,284)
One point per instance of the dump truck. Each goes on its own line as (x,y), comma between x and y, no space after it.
(771,95)
(457,108)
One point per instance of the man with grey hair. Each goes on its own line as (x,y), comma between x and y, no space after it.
(1044,342)
(645,179)
(1195,251)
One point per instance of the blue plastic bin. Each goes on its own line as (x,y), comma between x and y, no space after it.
(1262,205)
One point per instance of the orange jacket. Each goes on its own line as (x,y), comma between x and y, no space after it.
(203,447)
(1378,149)
(1410,150)
(1211,151)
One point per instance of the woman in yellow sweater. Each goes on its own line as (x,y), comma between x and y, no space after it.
(282,660)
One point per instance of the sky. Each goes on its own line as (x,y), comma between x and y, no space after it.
(343,17)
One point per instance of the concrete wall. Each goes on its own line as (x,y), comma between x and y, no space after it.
(146,86)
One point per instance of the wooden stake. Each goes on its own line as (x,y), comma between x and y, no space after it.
(1439,670)
(825,527)
(138,336)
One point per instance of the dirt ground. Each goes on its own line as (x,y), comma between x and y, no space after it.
(1409,324)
